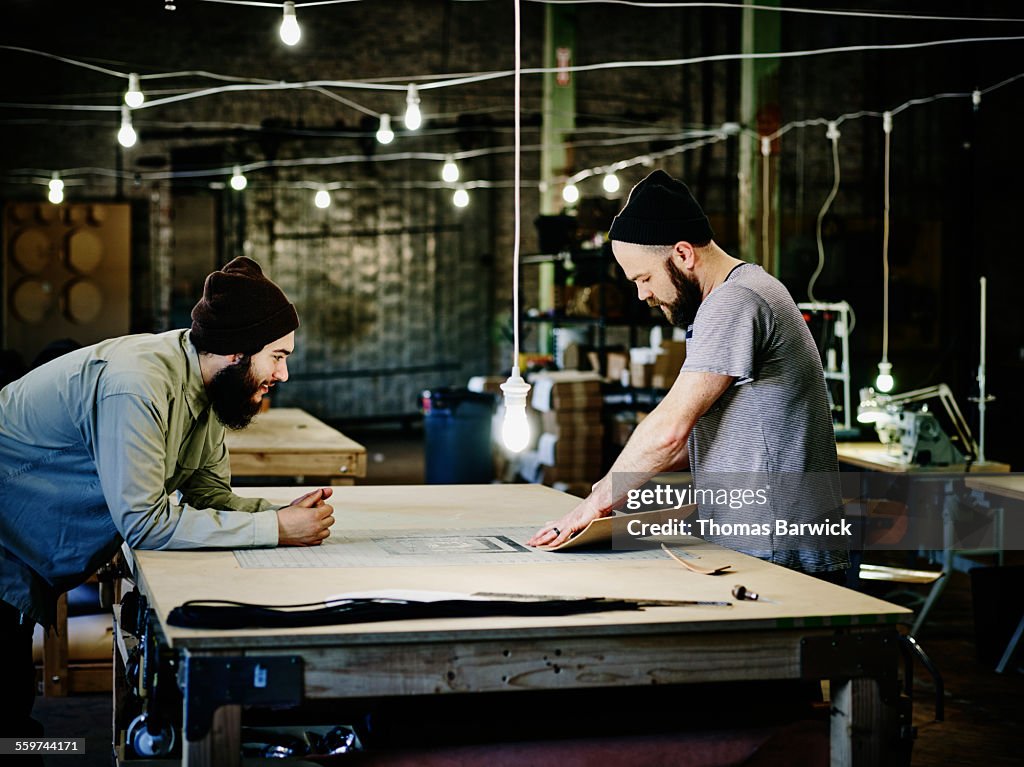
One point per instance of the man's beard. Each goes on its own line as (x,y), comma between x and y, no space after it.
(682,311)
(232,394)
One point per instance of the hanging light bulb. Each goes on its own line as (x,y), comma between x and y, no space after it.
(322,199)
(238,181)
(610,182)
(413,115)
(134,97)
(570,193)
(384,133)
(450,171)
(127,136)
(56,193)
(460,199)
(884,382)
(290,32)
(515,429)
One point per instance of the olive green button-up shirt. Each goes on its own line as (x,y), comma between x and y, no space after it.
(113,442)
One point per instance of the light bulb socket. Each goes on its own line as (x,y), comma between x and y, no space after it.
(384,133)
(134,97)
(515,389)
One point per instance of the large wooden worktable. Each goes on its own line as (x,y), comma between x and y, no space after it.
(814,630)
(289,442)
(874,456)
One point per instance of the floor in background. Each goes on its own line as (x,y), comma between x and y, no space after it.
(984,710)
(394,456)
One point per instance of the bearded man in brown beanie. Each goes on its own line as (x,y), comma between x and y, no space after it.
(94,444)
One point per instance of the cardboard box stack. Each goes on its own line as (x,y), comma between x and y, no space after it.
(571,447)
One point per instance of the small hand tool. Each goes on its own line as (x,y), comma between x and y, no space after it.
(743,593)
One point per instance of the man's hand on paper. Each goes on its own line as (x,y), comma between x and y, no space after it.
(558,532)
(306,521)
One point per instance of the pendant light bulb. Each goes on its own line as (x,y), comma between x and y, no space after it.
(413,116)
(610,183)
(238,181)
(884,382)
(450,171)
(56,191)
(322,199)
(290,32)
(570,193)
(384,133)
(134,96)
(515,428)
(460,199)
(127,136)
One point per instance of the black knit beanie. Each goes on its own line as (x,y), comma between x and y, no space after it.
(661,211)
(241,311)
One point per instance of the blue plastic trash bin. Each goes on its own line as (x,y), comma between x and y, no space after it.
(457,436)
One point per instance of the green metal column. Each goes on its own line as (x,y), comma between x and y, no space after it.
(760,112)
(558,120)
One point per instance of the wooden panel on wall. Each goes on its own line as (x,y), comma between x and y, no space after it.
(65,273)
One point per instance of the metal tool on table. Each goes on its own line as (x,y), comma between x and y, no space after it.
(742,593)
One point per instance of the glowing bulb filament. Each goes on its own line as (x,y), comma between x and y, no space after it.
(450,171)
(322,199)
(238,181)
(127,136)
(384,133)
(610,183)
(56,193)
(570,193)
(134,97)
(884,382)
(460,198)
(413,116)
(515,428)
(290,32)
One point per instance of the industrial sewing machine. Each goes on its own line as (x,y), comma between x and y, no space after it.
(904,420)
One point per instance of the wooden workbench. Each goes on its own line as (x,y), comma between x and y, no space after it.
(289,442)
(875,456)
(815,630)
(1012,487)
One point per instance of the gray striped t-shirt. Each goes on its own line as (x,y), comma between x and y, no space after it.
(772,429)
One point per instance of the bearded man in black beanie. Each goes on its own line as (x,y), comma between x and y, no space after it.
(749,410)
(94,444)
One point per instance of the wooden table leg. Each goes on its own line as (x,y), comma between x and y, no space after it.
(222,745)
(865,729)
(55,653)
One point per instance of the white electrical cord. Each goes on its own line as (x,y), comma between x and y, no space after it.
(832,135)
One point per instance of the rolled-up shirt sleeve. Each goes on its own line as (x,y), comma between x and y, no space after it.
(131,460)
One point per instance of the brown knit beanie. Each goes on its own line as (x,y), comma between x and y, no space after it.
(240,311)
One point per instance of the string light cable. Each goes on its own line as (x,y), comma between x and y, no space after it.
(486,76)
(37,176)
(766,200)
(885,382)
(515,428)
(832,134)
(893,16)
